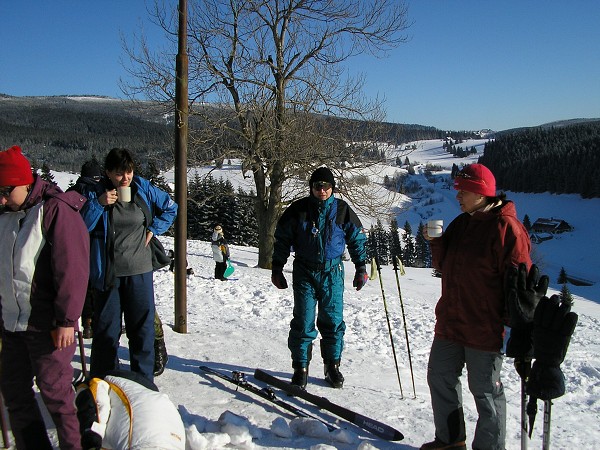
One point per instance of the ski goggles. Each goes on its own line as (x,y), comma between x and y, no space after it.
(321,185)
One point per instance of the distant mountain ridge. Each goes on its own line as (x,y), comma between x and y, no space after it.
(64,131)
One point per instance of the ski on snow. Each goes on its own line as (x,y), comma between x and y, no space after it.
(239,379)
(377,428)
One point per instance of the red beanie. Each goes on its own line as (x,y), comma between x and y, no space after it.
(476,178)
(15,169)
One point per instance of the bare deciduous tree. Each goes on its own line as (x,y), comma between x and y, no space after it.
(265,79)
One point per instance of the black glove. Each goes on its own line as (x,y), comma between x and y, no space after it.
(278,279)
(523,291)
(554,324)
(360,277)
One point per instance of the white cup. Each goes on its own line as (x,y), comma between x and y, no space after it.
(124,194)
(435,228)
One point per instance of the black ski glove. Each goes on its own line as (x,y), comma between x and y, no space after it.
(278,279)
(360,277)
(523,292)
(554,324)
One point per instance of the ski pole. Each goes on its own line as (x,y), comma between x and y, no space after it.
(398,266)
(547,417)
(524,436)
(523,367)
(387,317)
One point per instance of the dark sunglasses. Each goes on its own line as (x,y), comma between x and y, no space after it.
(318,185)
(464,175)
(6,191)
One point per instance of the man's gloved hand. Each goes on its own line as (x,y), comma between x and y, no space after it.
(554,324)
(523,291)
(360,277)
(278,279)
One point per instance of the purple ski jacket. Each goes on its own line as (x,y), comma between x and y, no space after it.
(44,260)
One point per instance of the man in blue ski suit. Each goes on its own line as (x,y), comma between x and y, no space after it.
(318,227)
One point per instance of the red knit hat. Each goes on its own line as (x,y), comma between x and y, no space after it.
(15,169)
(476,178)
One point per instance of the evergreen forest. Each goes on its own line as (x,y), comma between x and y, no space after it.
(561,160)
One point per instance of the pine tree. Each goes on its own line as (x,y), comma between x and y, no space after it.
(47,174)
(371,245)
(382,244)
(212,202)
(422,250)
(565,295)
(394,240)
(248,228)
(153,175)
(562,276)
(408,251)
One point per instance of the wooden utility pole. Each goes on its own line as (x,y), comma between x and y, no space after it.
(181,140)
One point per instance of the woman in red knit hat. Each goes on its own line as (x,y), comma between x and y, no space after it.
(473,255)
(44,267)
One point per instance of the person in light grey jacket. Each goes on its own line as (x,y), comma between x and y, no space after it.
(44,269)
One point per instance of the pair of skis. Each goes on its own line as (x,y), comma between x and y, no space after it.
(375,427)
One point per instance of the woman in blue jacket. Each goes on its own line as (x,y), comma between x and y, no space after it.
(318,227)
(121,271)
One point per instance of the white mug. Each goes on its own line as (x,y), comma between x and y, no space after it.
(435,228)
(124,194)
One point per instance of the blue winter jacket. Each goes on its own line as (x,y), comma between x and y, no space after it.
(318,231)
(162,210)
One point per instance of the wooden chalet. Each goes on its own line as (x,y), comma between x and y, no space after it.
(552,226)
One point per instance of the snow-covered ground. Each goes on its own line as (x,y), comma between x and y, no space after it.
(243,323)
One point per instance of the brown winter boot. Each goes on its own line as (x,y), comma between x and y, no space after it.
(439,445)
(87,329)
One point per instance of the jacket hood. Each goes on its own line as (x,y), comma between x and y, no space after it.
(43,190)
(40,190)
(507,209)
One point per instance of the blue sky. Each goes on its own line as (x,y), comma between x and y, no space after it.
(468,64)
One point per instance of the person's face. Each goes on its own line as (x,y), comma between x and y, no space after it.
(469,201)
(322,190)
(119,179)
(13,197)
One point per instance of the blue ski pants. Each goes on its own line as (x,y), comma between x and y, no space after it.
(133,297)
(321,290)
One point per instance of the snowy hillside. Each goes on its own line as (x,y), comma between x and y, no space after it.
(243,324)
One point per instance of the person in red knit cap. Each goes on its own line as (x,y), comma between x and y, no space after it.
(473,255)
(44,268)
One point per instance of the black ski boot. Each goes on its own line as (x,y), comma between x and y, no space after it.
(160,357)
(300,377)
(333,376)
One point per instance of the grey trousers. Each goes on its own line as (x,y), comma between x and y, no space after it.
(446,362)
